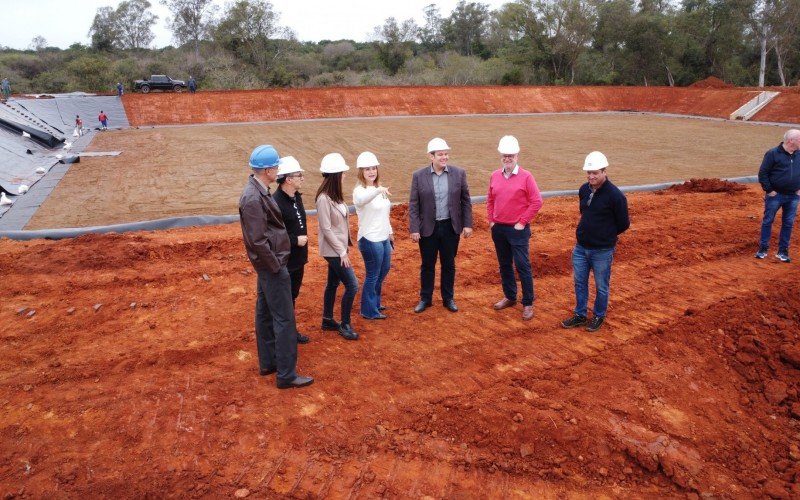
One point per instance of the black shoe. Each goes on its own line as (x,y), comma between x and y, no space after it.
(297,382)
(303,339)
(346,331)
(378,316)
(574,321)
(330,324)
(450,305)
(268,371)
(595,324)
(382,308)
(422,306)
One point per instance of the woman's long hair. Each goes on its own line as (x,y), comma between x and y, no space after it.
(331,187)
(363,180)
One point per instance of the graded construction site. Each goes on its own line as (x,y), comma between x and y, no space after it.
(128,364)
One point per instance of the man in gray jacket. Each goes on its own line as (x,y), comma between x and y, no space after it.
(439,213)
(268,248)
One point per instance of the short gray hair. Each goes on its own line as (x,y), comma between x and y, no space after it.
(791,134)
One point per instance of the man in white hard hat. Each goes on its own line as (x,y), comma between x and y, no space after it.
(512,203)
(268,249)
(439,213)
(604,216)
(290,201)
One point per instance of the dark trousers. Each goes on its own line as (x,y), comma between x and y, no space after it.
(339,274)
(512,247)
(276,338)
(443,242)
(296,276)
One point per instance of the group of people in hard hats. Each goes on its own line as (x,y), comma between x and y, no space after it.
(275,235)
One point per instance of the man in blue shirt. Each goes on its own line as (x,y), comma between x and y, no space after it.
(604,216)
(779,176)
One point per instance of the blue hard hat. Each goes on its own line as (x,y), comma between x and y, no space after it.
(264,156)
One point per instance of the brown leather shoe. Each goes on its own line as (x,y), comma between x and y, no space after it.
(527,313)
(504,302)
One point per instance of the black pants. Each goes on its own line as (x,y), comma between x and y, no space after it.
(296,275)
(444,244)
(276,339)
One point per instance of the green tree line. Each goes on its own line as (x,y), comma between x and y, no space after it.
(525,42)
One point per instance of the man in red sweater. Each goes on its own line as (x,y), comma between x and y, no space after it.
(512,203)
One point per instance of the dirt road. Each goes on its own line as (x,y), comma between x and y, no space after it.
(124,373)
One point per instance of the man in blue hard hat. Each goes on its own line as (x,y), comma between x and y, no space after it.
(268,249)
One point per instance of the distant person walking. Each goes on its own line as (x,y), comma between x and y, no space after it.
(78,126)
(334,242)
(511,204)
(779,176)
(103,120)
(604,216)
(120,89)
(192,85)
(375,236)
(290,201)
(268,249)
(6,86)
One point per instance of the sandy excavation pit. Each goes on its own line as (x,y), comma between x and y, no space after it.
(124,373)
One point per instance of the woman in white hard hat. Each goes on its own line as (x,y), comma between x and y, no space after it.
(334,242)
(375,237)
(290,201)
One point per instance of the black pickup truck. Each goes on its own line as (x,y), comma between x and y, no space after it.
(159,82)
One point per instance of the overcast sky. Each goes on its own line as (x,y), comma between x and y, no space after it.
(64,22)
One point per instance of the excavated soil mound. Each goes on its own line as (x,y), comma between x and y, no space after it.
(712,82)
(294,104)
(705,186)
(127,370)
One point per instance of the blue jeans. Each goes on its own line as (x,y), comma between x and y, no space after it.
(599,261)
(377,261)
(512,246)
(339,274)
(788,204)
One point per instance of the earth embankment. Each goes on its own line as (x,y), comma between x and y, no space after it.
(344,102)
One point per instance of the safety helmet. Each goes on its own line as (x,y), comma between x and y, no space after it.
(333,163)
(264,156)
(366,159)
(595,161)
(437,144)
(288,165)
(509,145)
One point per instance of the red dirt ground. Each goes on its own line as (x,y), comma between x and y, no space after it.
(690,389)
(293,104)
(783,109)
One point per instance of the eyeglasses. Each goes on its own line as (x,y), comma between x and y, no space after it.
(589,201)
(294,176)
(509,156)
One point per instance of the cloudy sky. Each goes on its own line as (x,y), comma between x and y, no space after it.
(64,22)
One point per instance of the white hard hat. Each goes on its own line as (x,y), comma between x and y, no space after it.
(366,159)
(437,144)
(333,163)
(288,165)
(509,145)
(595,161)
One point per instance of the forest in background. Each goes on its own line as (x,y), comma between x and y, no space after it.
(525,42)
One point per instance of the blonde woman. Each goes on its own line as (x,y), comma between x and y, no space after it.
(375,237)
(334,242)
